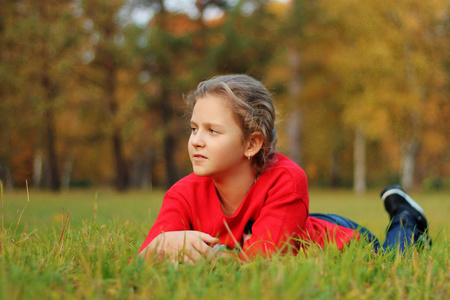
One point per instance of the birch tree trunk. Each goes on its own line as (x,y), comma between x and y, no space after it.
(66,175)
(410,145)
(294,136)
(37,170)
(359,161)
(409,150)
(141,170)
(6,176)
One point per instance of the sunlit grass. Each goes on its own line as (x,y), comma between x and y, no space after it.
(52,254)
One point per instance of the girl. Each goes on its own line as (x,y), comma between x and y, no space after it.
(244,195)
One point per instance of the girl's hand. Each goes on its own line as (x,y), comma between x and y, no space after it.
(183,246)
(245,237)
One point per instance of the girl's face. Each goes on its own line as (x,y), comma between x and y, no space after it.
(216,146)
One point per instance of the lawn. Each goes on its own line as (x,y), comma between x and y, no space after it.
(77,244)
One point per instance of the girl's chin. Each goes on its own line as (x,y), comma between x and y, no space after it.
(200,173)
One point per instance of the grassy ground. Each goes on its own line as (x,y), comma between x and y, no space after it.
(77,245)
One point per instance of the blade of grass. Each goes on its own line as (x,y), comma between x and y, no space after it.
(95,205)
(3,216)
(64,228)
(236,242)
(21,214)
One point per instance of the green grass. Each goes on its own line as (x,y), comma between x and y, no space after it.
(47,253)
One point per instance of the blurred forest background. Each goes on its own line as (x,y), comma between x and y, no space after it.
(91,91)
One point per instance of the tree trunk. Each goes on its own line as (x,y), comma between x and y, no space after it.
(294,122)
(53,171)
(147,181)
(359,160)
(37,170)
(169,139)
(49,115)
(409,152)
(165,106)
(169,155)
(410,145)
(66,172)
(294,136)
(122,177)
(50,130)
(6,177)
(121,165)
(334,169)
(141,171)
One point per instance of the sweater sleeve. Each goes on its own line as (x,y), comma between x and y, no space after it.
(173,216)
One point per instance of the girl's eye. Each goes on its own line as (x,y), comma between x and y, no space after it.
(194,130)
(212,131)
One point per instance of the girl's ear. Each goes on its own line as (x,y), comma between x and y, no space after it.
(254,144)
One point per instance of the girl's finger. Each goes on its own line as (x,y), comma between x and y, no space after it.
(191,257)
(205,250)
(208,238)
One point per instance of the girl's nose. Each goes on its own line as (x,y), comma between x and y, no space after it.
(197,140)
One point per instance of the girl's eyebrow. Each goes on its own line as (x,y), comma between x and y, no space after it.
(208,124)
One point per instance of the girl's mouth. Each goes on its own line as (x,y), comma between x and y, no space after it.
(199,157)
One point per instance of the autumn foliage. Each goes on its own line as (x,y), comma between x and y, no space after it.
(91,96)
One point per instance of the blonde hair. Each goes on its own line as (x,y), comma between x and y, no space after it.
(252,106)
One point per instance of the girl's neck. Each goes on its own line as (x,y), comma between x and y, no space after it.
(233,190)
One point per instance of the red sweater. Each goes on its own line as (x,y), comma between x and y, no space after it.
(278,204)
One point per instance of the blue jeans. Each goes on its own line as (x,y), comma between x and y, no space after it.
(401,232)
